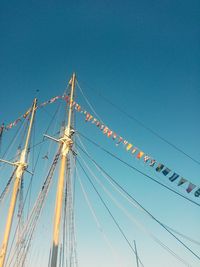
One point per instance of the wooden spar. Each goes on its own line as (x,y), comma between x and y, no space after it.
(21,165)
(66,143)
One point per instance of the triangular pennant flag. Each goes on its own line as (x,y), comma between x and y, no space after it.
(125,142)
(173,177)
(139,155)
(129,147)
(159,167)
(166,171)
(87,117)
(105,130)
(94,120)
(146,158)
(53,99)
(98,123)
(182,181)
(109,133)
(152,162)
(197,193)
(101,127)
(134,150)
(119,141)
(114,136)
(190,187)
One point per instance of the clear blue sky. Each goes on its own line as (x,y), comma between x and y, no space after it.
(144,56)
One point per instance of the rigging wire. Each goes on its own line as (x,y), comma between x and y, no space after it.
(134,205)
(32,221)
(138,224)
(87,101)
(94,215)
(144,209)
(30,224)
(155,133)
(184,236)
(106,207)
(135,169)
(7,187)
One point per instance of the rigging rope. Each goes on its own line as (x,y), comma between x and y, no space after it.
(91,208)
(30,225)
(108,210)
(155,133)
(137,170)
(145,210)
(138,224)
(87,101)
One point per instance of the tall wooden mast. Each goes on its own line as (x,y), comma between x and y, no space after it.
(66,143)
(21,165)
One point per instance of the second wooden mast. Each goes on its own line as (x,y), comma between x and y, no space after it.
(21,166)
(65,143)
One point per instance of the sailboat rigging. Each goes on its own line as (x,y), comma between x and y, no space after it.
(66,162)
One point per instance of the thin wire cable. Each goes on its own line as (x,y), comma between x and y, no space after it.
(134,205)
(138,224)
(91,208)
(106,207)
(87,101)
(146,127)
(149,129)
(184,236)
(146,211)
(131,202)
(137,170)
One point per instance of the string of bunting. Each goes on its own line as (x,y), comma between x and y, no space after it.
(139,154)
(25,115)
(135,151)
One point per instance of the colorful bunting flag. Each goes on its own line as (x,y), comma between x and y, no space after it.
(87,117)
(134,150)
(125,142)
(159,167)
(146,158)
(166,171)
(102,126)
(182,181)
(105,130)
(114,136)
(190,187)
(129,147)
(152,162)
(173,177)
(140,154)
(94,120)
(109,133)
(197,193)
(119,141)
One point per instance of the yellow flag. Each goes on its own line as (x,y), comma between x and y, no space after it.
(129,146)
